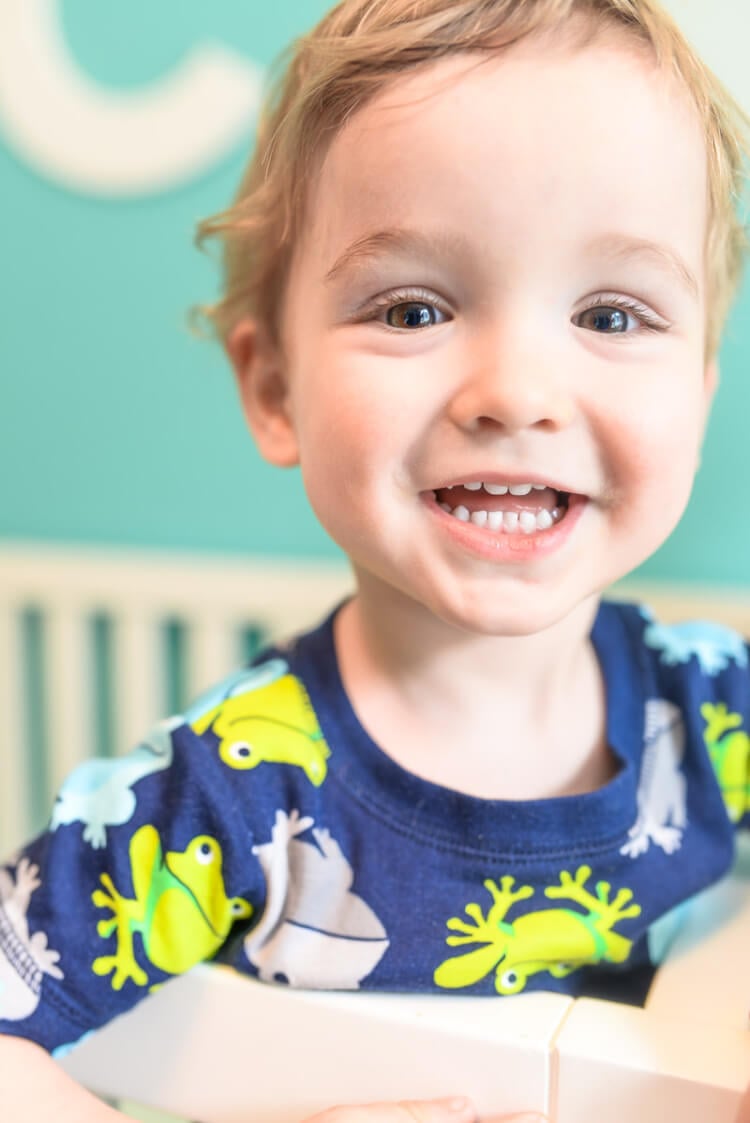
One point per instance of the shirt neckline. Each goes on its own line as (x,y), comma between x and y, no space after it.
(570,825)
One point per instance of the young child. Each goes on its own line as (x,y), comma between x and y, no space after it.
(476,279)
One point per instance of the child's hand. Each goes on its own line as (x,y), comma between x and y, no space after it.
(743,1115)
(457,1110)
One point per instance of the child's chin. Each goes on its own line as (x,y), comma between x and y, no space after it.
(529,614)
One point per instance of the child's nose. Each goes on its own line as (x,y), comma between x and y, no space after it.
(513,384)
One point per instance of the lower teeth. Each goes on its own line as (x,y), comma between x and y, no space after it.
(507,522)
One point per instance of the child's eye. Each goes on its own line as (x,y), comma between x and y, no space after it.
(611,315)
(605,319)
(412,314)
(406,310)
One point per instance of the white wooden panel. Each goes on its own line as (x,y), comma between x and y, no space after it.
(213,650)
(223,1048)
(139,676)
(15,796)
(68,688)
(624,1065)
(686,1056)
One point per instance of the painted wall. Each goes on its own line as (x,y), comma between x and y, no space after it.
(120,126)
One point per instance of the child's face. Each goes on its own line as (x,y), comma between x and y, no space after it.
(441,328)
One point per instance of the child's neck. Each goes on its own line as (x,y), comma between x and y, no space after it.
(498,717)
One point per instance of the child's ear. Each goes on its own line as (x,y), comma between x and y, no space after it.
(261,380)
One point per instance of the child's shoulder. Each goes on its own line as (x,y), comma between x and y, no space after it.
(698,646)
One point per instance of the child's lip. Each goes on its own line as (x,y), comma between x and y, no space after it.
(510,547)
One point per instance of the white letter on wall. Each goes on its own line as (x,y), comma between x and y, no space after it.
(107,142)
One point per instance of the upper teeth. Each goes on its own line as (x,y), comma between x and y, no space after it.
(503,489)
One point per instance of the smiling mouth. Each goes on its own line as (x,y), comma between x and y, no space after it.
(518,508)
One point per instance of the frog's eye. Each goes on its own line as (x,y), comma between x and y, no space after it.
(205,853)
(238,754)
(510,982)
(238,907)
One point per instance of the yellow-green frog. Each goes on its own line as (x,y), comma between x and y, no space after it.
(729,749)
(180,908)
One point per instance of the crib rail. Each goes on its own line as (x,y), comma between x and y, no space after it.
(65,611)
(92,640)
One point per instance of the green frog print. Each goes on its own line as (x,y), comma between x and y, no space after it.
(272,723)
(180,909)
(729,749)
(555,940)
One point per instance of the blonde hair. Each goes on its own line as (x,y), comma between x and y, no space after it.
(362,45)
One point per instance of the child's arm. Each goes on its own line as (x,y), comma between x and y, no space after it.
(34,1089)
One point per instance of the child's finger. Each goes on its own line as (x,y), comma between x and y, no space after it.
(524,1117)
(457,1109)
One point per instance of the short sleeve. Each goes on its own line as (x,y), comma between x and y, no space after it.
(141,874)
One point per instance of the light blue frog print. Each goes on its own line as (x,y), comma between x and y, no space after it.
(713,645)
(99,793)
(249,678)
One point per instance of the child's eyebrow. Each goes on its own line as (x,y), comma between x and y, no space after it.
(433,244)
(401,241)
(625,247)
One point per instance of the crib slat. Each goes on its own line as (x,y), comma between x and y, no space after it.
(212,651)
(15,793)
(68,685)
(139,675)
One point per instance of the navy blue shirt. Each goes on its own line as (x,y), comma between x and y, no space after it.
(264,828)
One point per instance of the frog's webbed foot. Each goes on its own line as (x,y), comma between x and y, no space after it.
(503,896)
(638,842)
(600,906)
(121,967)
(619,912)
(612,911)
(487,929)
(669,838)
(478,931)
(573,889)
(45,957)
(122,964)
(95,833)
(27,880)
(286,827)
(109,898)
(718,721)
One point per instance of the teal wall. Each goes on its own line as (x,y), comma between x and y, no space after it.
(116,424)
